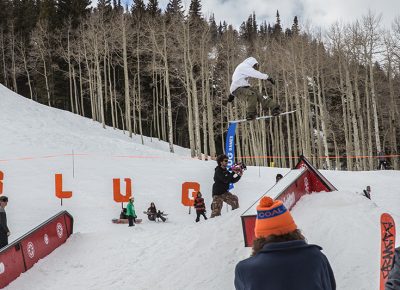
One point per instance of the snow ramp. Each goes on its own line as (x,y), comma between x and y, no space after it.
(22,254)
(303,179)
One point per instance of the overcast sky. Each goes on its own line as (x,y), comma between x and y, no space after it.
(321,13)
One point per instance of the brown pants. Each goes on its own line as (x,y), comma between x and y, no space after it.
(218,201)
(253,97)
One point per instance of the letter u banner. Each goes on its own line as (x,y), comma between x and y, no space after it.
(230,146)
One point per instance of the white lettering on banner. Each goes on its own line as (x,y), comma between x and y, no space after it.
(230,149)
(31,250)
(60,230)
(306,185)
(2,268)
(46,239)
(289,200)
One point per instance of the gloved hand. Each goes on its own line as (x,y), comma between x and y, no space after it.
(271,80)
(231,98)
(276,111)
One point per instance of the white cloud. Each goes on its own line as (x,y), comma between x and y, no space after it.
(319,12)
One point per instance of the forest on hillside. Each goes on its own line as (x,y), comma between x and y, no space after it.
(166,74)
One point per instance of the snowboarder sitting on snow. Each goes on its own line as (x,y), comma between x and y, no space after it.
(200,207)
(153,214)
(281,258)
(220,193)
(241,88)
(367,192)
(130,212)
(393,281)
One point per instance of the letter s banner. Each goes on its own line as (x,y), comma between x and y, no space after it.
(118,197)
(186,188)
(59,192)
(1,181)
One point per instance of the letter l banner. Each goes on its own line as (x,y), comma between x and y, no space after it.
(230,146)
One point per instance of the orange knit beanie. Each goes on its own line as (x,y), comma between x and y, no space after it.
(273,218)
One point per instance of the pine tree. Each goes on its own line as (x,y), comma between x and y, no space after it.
(213,29)
(104,6)
(295,26)
(277,27)
(152,8)
(73,10)
(174,8)
(138,8)
(195,10)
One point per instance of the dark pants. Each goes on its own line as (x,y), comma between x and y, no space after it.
(157,215)
(382,165)
(131,220)
(252,96)
(200,213)
(3,240)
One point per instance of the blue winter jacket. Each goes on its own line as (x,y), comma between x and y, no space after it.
(293,265)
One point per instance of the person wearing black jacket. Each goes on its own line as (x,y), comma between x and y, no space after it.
(220,190)
(393,281)
(4,231)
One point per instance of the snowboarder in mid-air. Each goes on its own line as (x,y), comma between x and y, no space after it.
(241,89)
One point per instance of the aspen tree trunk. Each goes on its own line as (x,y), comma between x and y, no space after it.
(393,114)
(126,79)
(99,84)
(138,79)
(3,54)
(369,125)
(24,58)
(70,73)
(13,59)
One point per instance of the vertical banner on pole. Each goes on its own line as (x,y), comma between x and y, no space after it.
(118,196)
(230,146)
(1,181)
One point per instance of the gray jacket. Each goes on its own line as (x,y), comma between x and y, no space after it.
(393,281)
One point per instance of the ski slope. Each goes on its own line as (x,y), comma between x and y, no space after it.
(37,141)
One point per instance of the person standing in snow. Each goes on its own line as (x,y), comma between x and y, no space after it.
(220,193)
(130,212)
(281,258)
(382,161)
(4,231)
(241,89)
(393,281)
(200,207)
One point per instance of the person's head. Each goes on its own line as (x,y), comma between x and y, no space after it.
(274,224)
(152,204)
(251,61)
(368,188)
(132,199)
(222,160)
(3,201)
(198,194)
(278,177)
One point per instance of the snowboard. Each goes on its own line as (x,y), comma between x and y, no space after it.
(262,117)
(163,214)
(388,236)
(124,221)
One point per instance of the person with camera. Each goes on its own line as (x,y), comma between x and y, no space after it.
(220,190)
(241,88)
(4,231)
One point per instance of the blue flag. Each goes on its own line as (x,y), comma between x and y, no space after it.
(230,146)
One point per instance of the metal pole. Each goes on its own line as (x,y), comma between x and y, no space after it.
(73,164)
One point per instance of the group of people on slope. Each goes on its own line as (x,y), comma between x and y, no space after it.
(152,213)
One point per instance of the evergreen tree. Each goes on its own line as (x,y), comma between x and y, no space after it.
(277,27)
(213,29)
(104,6)
(138,8)
(152,8)
(295,26)
(174,8)
(195,10)
(73,10)
(48,13)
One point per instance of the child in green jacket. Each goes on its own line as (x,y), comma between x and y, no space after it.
(130,212)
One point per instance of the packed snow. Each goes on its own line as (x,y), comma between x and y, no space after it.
(37,141)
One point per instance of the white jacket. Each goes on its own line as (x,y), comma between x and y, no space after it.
(244,71)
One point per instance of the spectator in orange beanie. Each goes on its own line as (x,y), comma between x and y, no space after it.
(281,258)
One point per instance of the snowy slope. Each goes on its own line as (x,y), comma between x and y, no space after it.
(179,254)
